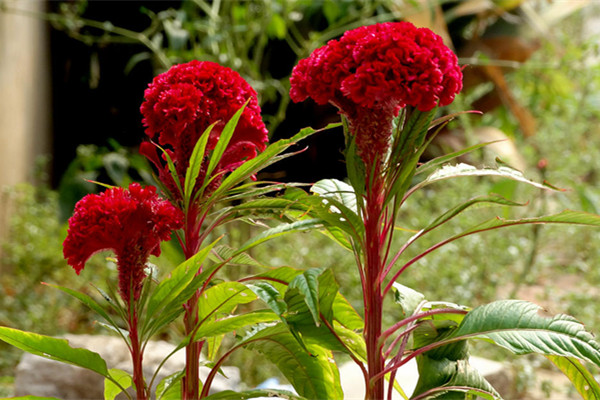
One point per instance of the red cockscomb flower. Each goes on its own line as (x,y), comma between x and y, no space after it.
(131,222)
(182,102)
(371,72)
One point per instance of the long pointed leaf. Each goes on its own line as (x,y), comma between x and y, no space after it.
(224,139)
(196,160)
(303,225)
(524,328)
(251,394)
(436,162)
(230,324)
(264,159)
(580,377)
(180,277)
(88,301)
(54,349)
(460,170)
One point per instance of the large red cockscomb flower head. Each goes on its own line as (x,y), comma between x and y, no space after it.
(130,222)
(371,72)
(182,102)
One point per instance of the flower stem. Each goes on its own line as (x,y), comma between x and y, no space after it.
(373,299)
(136,356)
(190,385)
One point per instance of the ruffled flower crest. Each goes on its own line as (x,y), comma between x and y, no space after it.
(372,72)
(131,222)
(182,102)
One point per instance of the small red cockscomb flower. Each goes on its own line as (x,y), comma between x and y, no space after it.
(371,72)
(130,222)
(182,102)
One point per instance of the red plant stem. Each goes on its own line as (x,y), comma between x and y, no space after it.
(136,355)
(373,299)
(190,385)
(416,317)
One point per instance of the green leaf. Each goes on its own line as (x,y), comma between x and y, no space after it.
(171,287)
(436,162)
(337,208)
(408,299)
(271,296)
(251,394)
(524,328)
(345,314)
(452,379)
(221,253)
(279,230)
(221,299)
(314,375)
(338,190)
(263,160)
(29,397)
(172,169)
(170,387)
(54,349)
(582,379)
(448,215)
(564,217)
(88,301)
(111,389)
(278,277)
(306,288)
(460,170)
(224,139)
(355,167)
(195,164)
(230,324)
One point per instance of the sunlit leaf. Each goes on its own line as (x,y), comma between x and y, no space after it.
(524,328)
(251,394)
(462,169)
(232,323)
(408,299)
(169,386)
(303,292)
(436,162)
(263,160)
(220,300)
(270,295)
(111,390)
(279,230)
(452,379)
(170,288)
(314,375)
(582,379)
(54,349)
(338,190)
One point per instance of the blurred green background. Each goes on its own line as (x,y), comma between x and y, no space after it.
(532,66)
